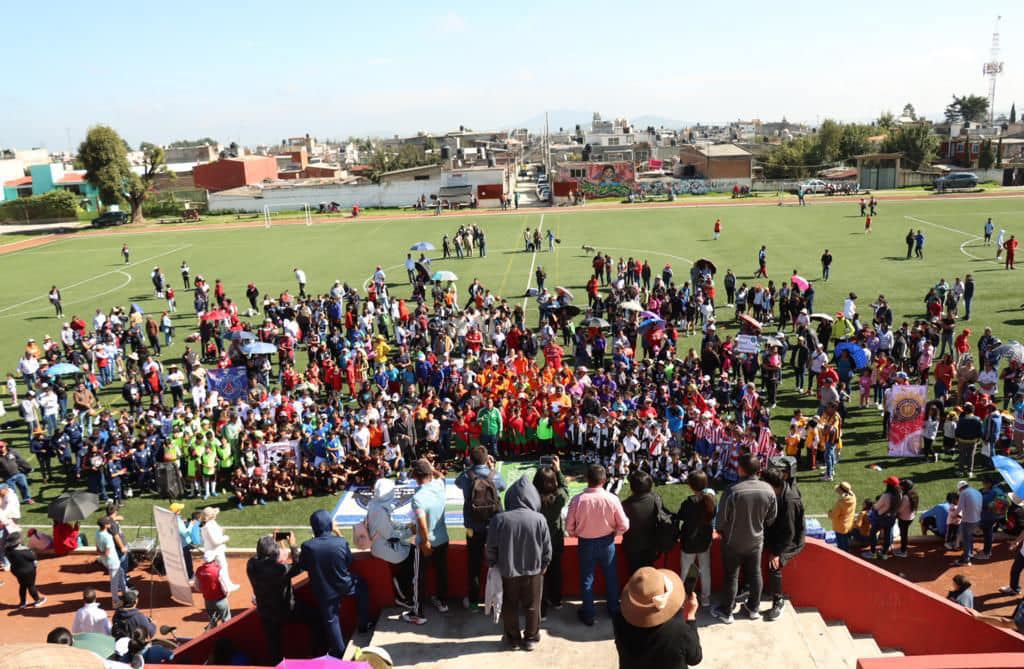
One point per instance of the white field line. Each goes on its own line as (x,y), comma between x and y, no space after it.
(533,261)
(970,237)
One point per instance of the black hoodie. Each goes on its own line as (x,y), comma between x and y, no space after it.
(518,539)
(327,558)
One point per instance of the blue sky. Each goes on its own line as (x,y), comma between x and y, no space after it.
(259,71)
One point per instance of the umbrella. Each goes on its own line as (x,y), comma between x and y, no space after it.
(444,275)
(1012,473)
(240,335)
(650,323)
(423,270)
(823,317)
(800,282)
(631,305)
(773,341)
(705,264)
(568,311)
(857,354)
(751,321)
(648,314)
(215,315)
(325,662)
(56,655)
(71,507)
(422,246)
(594,322)
(258,348)
(565,292)
(1013,350)
(63,369)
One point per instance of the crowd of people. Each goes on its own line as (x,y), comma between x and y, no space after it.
(369,387)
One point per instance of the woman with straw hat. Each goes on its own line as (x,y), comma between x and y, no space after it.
(649,630)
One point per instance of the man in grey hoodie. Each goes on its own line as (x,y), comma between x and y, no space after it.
(744,512)
(519,544)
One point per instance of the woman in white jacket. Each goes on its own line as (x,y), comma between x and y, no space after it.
(387,540)
(215,542)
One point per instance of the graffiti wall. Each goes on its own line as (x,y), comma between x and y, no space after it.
(689,186)
(602,179)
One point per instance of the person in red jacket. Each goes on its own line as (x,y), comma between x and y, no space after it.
(1010,246)
(208,582)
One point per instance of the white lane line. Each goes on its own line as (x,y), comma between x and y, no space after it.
(98,276)
(971,237)
(533,261)
(126,275)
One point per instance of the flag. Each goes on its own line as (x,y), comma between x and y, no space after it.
(905,405)
(230,383)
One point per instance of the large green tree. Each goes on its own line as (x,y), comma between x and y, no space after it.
(104,156)
(967,108)
(917,142)
(885,120)
(987,157)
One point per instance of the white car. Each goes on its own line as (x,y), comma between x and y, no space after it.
(814,186)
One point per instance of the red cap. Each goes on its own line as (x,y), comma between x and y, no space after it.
(892,480)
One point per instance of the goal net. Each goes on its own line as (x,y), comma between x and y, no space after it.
(302,211)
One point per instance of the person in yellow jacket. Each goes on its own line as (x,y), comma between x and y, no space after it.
(842,515)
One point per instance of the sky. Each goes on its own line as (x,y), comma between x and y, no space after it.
(259,71)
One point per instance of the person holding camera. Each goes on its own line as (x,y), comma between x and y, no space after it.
(481,485)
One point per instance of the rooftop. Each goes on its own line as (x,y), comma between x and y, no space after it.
(720,150)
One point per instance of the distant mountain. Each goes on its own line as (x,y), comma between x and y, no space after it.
(568,119)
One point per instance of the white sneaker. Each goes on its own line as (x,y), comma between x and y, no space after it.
(439,605)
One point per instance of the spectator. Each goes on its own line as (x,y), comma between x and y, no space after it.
(649,631)
(744,512)
(696,515)
(883,514)
(127,618)
(481,484)
(12,472)
(554,496)
(784,538)
(387,540)
(109,559)
(970,516)
(90,618)
(23,566)
(1017,548)
(215,542)
(643,508)
(208,582)
(968,434)
(842,515)
(270,575)
(431,540)
(961,592)
(519,545)
(328,560)
(595,517)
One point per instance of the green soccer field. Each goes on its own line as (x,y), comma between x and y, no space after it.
(91,274)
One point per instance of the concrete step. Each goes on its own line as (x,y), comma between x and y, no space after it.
(843,642)
(815,633)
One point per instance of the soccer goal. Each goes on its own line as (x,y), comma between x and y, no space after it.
(269,210)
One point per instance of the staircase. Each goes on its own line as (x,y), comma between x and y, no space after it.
(799,639)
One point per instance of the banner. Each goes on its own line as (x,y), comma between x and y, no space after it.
(352,505)
(905,404)
(747,344)
(601,179)
(169,539)
(271,454)
(230,383)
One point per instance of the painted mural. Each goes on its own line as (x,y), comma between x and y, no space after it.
(604,179)
(687,186)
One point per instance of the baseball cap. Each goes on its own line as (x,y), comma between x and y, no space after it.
(892,480)
(177,507)
(962,484)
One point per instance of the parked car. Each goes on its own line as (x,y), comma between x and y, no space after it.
(956,180)
(111,218)
(815,186)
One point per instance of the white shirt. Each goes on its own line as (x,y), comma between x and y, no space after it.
(91,618)
(98,320)
(28,365)
(849,308)
(300,276)
(10,511)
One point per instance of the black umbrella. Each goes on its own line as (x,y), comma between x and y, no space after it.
(569,311)
(423,270)
(72,507)
(706,264)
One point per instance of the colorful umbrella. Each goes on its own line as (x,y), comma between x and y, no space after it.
(325,662)
(422,246)
(857,354)
(444,275)
(215,315)
(258,348)
(63,369)
(645,314)
(1013,350)
(651,323)
(751,321)
(135,307)
(800,282)
(631,305)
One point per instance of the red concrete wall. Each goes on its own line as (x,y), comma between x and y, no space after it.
(974,661)
(234,172)
(490,191)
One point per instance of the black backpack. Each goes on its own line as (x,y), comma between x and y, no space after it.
(484,502)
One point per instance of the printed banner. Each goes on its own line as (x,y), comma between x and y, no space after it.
(352,505)
(230,383)
(747,344)
(271,454)
(169,539)
(603,179)
(905,404)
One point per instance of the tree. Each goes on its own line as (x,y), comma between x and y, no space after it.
(886,120)
(105,160)
(987,157)
(192,142)
(1013,113)
(854,141)
(967,108)
(915,141)
(909,111)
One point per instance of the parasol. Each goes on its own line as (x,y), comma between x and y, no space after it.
(1012,473)
(240,335)
(704,264)
(63,369)
(422,246)
(444,275)
(631,305)
(568,311)
(135,307)
(857,354)
(650,323)
(71,507)
(594,322)
(259,348)
(773,341)
(751,321)
(325,662)
(823,317)
(800,282)
(215,315)
(562,291)
(423,271)
(1012,350)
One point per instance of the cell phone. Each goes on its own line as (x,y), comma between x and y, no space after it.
(547,460)
(689,585)
(281,536)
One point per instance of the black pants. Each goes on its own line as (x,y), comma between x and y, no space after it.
(475,545)
(552,595)
(402,575)
(438,559)
(521,595)
(27,585)
(774,584)
(274,628)
(1015,570)
(640,558)
(751,565)
(904,526)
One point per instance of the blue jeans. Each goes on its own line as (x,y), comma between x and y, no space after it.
(332,625)
(490,442)
(20,482)
(830,460)
(598,553)
(967,307)
(967,538)
(118,584)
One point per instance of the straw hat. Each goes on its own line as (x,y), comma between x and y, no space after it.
(651,597)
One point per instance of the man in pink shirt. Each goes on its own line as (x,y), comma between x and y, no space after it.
(595,518)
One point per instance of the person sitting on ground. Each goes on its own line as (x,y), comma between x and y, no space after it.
(128,618)
(961,592)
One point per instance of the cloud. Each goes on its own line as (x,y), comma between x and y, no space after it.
(452,22)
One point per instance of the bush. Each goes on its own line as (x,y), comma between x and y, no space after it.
(165,207)
(58,204)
